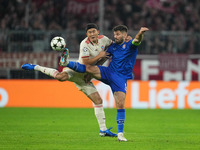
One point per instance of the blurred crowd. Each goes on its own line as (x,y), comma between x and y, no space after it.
(182,16)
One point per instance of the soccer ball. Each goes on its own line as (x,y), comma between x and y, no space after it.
(58,43)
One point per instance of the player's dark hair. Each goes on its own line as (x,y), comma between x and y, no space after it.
(121,28)
(91,25)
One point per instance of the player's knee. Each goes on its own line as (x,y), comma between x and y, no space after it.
(98,101)
(61,77)
(61,80)
(120,105)
(95,97)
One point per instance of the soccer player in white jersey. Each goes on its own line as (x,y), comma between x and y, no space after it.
(91,52)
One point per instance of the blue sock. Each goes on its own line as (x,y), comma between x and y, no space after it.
(120,119)
(77,66)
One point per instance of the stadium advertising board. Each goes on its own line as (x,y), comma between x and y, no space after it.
(140,94)
(144,69)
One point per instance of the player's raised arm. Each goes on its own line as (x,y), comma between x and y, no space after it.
(138,38)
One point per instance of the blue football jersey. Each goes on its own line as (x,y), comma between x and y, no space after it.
(123,58)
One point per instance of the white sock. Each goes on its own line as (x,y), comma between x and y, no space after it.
(48,71)
(100,115)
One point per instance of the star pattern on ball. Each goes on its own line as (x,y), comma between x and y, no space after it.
(55,46)
(62,46)
(59,39)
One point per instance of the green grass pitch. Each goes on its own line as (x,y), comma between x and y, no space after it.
(74,129)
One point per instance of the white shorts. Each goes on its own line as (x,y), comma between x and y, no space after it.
(78,80)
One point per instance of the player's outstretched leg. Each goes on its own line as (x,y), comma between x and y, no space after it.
(107,133)
(71,64)
(28,66)
(64,58)
(48,71)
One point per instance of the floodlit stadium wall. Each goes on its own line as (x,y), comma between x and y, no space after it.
(140,94)
(147,67)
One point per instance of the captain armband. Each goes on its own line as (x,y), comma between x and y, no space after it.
(136,44)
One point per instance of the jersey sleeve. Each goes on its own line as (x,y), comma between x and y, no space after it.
(84,50)
(135,44)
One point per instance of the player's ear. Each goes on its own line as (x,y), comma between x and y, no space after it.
(98,32)
(124,34)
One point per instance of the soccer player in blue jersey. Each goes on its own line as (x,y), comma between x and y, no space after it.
(119,70)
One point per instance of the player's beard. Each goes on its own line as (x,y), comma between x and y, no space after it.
(119,41)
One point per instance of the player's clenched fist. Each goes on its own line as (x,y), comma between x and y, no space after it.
(102,54)
(143,29)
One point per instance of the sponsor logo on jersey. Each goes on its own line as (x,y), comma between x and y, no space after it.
(85,49)
(102,47)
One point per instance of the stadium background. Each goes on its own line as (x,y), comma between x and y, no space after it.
(169,52)
(162,103)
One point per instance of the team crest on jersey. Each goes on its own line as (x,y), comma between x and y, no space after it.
(85,49)
(102,47)
(124,46)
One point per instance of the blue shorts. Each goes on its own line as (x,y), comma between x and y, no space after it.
(116,82)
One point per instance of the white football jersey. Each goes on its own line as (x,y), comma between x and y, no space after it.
(90,49)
